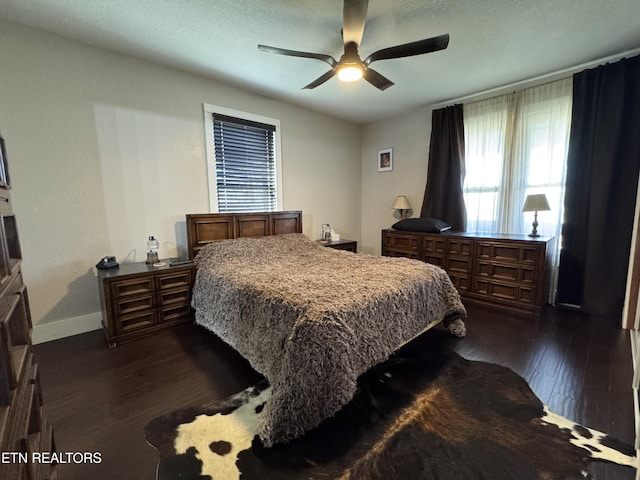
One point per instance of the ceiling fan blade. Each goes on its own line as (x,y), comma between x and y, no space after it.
(320,80)
(294,53)
(420,47)
(354,15)
(377,80)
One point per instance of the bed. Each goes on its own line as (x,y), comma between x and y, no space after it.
(309,318)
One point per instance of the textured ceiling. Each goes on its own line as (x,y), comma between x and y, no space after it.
(493,42)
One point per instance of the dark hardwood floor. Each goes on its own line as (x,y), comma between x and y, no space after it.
(99,400)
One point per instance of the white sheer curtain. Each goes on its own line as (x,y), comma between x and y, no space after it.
(516,145)
(485,129)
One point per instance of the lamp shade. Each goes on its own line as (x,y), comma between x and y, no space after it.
(536,203)
(401,203)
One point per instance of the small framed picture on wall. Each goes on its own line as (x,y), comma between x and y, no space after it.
(385,160)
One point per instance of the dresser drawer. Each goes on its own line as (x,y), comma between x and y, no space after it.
(401,253)
(505,291)
(507,252)
(433,250)
(461,282)
(506,272)
(170,280)
(434,259)
(408,243)
(433,245)
(135,286)
(175,312)
(180,296)
(458,265)
(136,321)
(129,305)
(459,248)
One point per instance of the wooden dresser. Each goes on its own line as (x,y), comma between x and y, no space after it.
(505,271)
(25,432)
(139,299)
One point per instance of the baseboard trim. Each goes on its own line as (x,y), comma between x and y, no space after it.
(67,327)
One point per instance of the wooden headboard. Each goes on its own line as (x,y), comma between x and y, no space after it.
(203,228)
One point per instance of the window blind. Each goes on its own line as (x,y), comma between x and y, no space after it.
(245,161)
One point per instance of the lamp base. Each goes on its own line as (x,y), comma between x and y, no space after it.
(534,225)
(403,214)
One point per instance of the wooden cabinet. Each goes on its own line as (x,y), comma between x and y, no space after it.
(506,271)
(138,299)
(24,428)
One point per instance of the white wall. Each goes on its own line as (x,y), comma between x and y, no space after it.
(105,149)
(408,135)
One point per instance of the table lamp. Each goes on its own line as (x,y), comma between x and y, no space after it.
(401,204)
(535,203)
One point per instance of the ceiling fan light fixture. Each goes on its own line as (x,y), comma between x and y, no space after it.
(350,67)
(350,73)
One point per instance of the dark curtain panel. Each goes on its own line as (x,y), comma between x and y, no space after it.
(445,175)
(602,178)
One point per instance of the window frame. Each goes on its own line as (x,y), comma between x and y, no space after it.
(521,111)
(209,110)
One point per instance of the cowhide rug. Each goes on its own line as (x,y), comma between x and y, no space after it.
(423,414)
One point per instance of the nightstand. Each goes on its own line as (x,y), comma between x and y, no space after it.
(139,299)
(349,245)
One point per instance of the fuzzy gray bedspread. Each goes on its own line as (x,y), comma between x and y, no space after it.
(312,319)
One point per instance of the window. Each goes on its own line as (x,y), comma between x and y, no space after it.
(484,131)
(242,156)
(516,145)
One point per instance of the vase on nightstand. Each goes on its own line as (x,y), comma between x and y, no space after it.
(152,250)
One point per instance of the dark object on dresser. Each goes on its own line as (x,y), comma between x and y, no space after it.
(430,225)
(139,299)
(24,428)
(505,271)
(107,262)
(344,244)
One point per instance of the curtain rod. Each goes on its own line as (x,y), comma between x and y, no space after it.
(540,78)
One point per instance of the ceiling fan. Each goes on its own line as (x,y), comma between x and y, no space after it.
(350,67)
